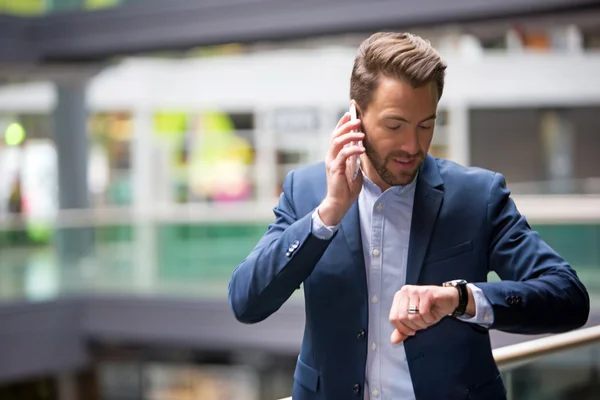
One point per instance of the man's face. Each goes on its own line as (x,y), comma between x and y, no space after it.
(398,127)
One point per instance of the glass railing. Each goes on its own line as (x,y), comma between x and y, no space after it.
(117,251)
(183,250)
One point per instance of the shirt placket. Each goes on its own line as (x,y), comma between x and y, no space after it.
(375,273)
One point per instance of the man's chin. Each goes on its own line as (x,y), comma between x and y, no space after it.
(394,175)
(405,177)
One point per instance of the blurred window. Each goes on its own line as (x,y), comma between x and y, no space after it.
(591,39)
(212,154)
(297,139)
(110,158)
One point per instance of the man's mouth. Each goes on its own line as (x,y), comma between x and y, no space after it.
(405,162)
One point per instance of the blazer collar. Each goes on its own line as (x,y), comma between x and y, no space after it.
(430,173)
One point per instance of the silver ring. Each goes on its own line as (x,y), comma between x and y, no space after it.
(413,309)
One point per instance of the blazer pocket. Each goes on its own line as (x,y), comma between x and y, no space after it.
(306,376)
(448,253)
(491,390)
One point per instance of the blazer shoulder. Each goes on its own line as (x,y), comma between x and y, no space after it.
(459,176)
(311,171)
(308,186)
(309,176)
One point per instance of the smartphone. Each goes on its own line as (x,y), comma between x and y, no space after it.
(354,117)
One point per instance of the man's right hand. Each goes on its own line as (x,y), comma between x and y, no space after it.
(342,191)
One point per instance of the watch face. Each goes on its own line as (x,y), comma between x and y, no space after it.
(455,282)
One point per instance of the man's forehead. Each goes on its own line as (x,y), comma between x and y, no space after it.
(395,94)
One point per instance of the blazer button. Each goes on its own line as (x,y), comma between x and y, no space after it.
(510,300)
(361,334)
(357,389)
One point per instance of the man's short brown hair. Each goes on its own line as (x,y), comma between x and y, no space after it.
(400,55)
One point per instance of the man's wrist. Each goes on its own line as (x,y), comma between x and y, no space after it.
(453,293)
(329,214)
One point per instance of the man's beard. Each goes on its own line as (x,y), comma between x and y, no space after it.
(380,165)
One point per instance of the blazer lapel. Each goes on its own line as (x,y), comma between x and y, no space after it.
(350,228)
(428,200)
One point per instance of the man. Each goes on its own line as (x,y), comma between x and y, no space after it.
(394,263)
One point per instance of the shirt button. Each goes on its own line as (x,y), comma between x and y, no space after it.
(375,252)
(379,207)
(374,299)
(375,393)
(373,346)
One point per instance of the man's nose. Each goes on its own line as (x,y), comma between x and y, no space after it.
(411,143)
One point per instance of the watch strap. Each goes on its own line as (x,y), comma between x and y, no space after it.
(463,299)
(463,296)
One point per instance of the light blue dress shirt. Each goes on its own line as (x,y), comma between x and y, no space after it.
(385,220)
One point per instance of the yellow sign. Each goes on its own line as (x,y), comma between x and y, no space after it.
(23,7)
(96,4)
(167,123)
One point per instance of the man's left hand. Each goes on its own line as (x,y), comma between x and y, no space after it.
(433,303)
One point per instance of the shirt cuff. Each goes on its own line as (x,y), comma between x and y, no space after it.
(320,230)
(484,313)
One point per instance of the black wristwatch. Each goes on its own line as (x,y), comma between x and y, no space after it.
(463,296)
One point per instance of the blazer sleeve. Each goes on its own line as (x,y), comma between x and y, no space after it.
(539,292)
(283,258)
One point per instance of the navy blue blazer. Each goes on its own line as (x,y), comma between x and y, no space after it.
(464,225)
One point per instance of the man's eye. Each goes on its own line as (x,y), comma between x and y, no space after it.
(426,127)
(393,127)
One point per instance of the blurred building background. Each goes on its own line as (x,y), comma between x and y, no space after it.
(143,145)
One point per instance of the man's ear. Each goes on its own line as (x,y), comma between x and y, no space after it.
(359,115)
(359,112)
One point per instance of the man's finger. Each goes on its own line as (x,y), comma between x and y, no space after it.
(402,328)
(340,142)
(346,127)
(398,316)
(425,305)
(347,152)
(397,337)
(415,320)
(403,304)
